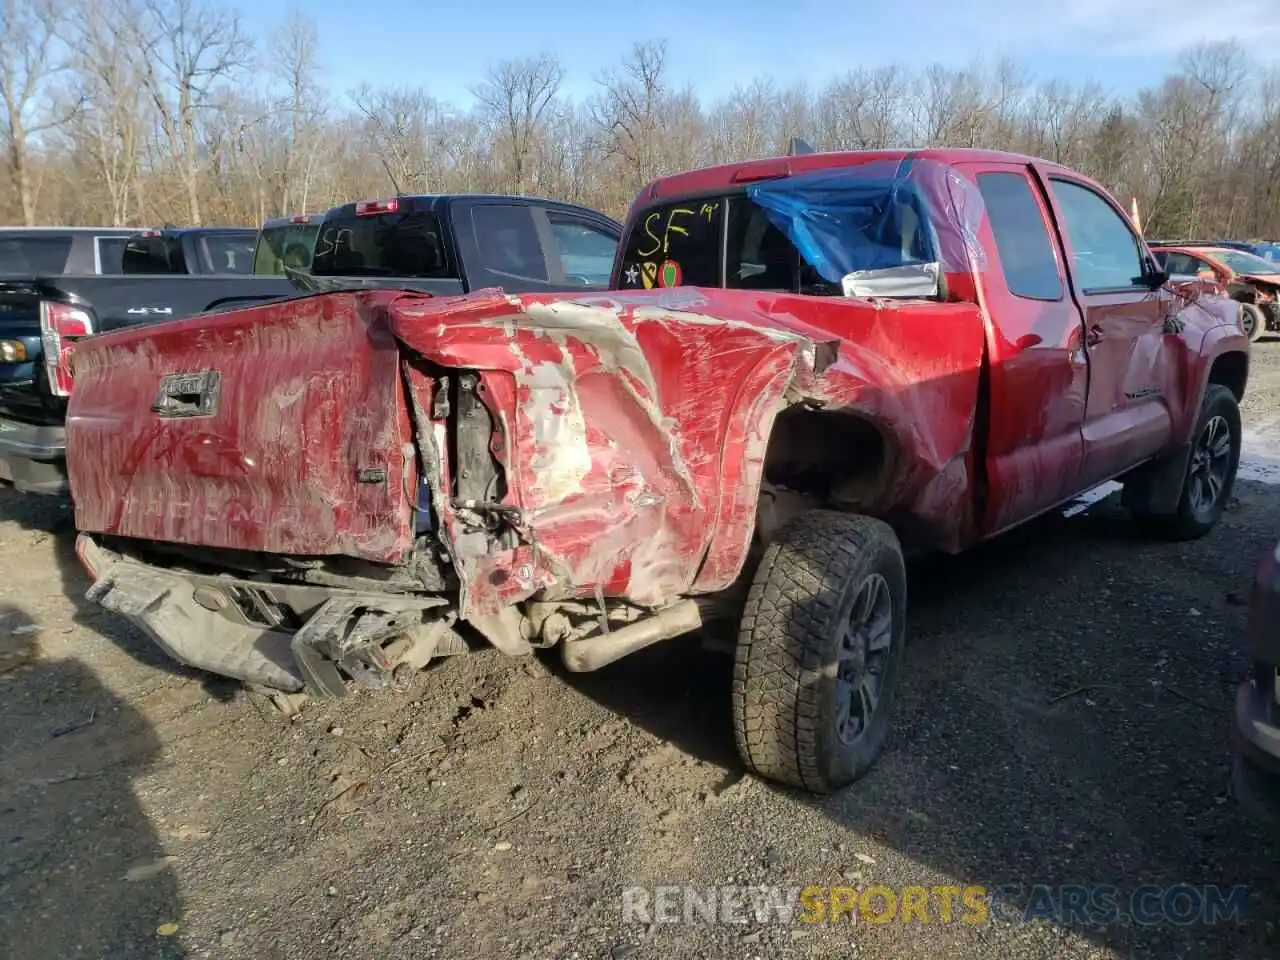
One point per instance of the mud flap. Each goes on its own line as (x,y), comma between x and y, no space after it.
(1155,489)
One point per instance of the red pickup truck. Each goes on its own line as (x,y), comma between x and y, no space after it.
(808,366)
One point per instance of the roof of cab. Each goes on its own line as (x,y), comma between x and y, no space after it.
(296,219)
(108,231)
(729,175)
(433,200)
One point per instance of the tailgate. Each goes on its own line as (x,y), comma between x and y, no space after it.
(280,428)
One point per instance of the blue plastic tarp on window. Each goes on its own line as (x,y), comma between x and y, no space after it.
(876,215)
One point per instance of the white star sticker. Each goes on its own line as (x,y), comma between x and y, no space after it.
(632,274)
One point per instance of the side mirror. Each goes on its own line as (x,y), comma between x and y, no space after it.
(1155,275)
(917,281)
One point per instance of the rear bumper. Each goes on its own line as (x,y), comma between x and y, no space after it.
(286,635)
(165,607)
(33,458)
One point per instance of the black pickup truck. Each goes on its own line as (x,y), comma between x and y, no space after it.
(183,250)
(443,245)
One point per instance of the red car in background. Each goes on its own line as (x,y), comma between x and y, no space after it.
(1249,279)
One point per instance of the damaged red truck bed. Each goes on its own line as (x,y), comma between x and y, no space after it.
(810,364)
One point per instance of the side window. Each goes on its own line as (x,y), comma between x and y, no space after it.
(1180,265)
(508,241)
(110,254)
(1022,239)
(586,251)
(1105,252)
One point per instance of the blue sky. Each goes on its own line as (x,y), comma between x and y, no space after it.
(444,45)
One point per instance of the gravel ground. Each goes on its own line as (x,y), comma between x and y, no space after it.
(1065,720)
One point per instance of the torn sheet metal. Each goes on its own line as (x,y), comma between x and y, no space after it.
(630,428)
(634,426)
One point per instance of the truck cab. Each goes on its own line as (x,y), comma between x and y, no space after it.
(455,243)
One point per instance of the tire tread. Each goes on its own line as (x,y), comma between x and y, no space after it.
(785,630)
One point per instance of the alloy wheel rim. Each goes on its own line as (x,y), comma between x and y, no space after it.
(865,643)
(1210,462)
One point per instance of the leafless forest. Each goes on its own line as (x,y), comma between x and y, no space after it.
(119,112)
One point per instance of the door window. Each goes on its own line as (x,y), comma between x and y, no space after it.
(1105,254)
(1185,265)
(508,241)
(586,252)
(1022,239)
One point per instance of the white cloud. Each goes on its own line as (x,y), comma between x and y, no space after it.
(1140,27)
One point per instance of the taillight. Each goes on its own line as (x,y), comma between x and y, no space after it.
(60,325)
(365,208)
(300,219)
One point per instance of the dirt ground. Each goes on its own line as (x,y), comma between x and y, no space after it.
(1065,720)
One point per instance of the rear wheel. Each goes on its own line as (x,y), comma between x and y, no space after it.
(1253,321)
(819,651)
(1211,470)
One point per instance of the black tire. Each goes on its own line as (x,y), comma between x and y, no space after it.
(1195,517)
(1253,321)
(786,693)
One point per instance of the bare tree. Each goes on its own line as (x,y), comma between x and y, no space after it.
(629,111)
(863,110)
(28,64)
(515,98)
(186,51)
(744,128)
(291,60)
(401,121)
(111,127)
(171,130)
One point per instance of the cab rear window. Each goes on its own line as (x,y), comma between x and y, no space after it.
(686,244)
(399,244)
(676,245)
(285,246)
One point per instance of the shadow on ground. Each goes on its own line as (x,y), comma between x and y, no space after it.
(82,872)
(51,517)
(1064,719)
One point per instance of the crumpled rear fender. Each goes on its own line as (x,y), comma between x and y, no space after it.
(633,428)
